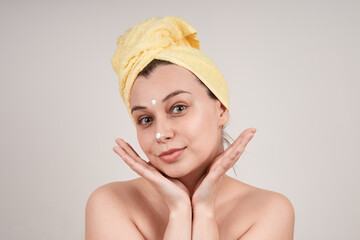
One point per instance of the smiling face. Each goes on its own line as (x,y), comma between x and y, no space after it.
(173,111)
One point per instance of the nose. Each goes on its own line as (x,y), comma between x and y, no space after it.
(164,129)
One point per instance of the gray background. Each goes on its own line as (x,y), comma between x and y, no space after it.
(293,72)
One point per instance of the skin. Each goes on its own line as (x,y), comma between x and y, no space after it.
(197,127)
(191,198)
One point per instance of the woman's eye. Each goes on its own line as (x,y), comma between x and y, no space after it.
(178,108)
(144,120)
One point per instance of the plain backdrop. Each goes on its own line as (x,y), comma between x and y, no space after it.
(293,71)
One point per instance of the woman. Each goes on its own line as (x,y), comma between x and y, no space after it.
(179,102)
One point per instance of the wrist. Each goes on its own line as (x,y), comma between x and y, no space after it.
(204,210)
(183,209)
(179,224)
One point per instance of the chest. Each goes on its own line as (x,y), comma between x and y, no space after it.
(232,221)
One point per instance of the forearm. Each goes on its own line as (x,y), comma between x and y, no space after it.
(204,225)
(179,225)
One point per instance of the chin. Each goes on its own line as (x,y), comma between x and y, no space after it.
(175,171)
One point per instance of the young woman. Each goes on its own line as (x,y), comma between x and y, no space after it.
(178,101)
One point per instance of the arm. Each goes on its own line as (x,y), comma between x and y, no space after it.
(179,226)
(203,199)
(276,223)
(106,218)
(204,224)
(175,194)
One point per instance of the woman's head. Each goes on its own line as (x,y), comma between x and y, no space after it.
(170,101)
(156,62)
(184,99)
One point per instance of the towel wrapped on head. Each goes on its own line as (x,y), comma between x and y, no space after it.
(167,38)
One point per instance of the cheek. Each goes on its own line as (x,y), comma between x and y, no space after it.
(145,141)
(203,129)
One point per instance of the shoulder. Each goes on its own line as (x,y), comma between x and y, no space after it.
(264,200)
(116,188)
(116,195)
(273,206)
(273,214)
(107,212)
(109,192)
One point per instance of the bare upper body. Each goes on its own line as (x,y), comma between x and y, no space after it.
(183,191)
(134,210)
(179,103)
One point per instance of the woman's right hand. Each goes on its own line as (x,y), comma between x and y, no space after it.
(173,191)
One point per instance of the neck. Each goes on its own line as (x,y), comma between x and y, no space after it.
(191,180)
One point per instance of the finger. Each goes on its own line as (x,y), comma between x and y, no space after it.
(143,170)
(232,153)
(243,139)
(130,151)
(238,146)
(241,144)
(128,154)
(127,159)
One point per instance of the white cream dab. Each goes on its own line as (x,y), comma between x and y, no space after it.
(157,135)
(153,102)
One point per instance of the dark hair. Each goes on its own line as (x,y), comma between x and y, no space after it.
(226,138)
(157,62)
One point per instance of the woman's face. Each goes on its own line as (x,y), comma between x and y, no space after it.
(173,111)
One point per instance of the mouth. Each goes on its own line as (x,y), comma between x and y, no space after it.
(171,155)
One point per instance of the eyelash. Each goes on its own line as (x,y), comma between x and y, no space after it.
(172,109)
(180,105)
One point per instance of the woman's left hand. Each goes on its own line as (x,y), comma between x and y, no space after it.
(207,187)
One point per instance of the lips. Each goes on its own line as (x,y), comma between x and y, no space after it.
(171,155)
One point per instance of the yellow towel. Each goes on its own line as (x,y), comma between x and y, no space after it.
(167,38)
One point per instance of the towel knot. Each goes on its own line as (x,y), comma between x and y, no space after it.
(151,36)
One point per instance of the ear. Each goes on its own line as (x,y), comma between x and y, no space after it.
(222,113)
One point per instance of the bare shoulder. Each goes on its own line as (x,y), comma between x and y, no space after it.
(121,191)
(107,215)
(272,213)
(267,200)
(114,194)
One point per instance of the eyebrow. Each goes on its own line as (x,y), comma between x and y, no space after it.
(173,94)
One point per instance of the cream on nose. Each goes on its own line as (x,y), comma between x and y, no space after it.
(158,135)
